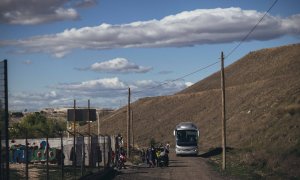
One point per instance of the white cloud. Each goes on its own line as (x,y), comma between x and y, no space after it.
(107,92)
(189,28)
(145,83)
(51,94)
(118,65)
(33,101)
(104,88)
(188,84)
(29,12)
(94,85)
(154,88)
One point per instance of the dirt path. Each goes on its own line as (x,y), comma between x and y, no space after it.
(189,168)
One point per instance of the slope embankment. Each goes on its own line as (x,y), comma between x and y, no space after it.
(262,112)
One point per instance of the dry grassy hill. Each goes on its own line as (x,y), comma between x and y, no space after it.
(263,111)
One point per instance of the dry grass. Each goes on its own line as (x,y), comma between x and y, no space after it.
(263,105)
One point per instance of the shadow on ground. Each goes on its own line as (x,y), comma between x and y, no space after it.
(214,152)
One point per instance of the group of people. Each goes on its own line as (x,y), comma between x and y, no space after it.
(157,156)
(153,156)
(119,156)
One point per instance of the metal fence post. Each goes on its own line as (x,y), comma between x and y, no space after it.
(109,151)
(82,156)
(104,152)
(62,155)
(47,154)
(26,153)
(99,142)
(74,141)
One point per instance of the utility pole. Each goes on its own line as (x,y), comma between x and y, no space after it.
(89,132)
(223,113)
(74,140)
(98,120)
(88,118)
(128,124)
(132,135)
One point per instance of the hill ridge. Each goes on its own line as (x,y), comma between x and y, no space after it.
(267,55)
(263,111)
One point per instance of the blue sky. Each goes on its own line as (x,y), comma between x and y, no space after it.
(58,50)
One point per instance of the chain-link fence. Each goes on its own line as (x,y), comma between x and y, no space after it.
(56,158)
(70,156)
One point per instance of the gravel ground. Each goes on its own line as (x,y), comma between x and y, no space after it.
(179,168)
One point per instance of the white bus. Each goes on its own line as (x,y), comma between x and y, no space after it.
(186,135)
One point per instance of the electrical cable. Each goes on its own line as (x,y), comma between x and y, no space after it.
(229,54)
(203,68)
(253,28)
(179,78)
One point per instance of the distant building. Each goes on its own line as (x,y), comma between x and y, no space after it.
(17,115)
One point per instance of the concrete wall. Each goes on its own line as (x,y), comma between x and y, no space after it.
(103,142)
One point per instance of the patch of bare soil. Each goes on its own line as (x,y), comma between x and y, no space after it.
(33,173)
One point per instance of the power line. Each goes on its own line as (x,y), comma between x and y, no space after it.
(203,68)
(198,70)
(179,78)
(229,54)
(253,28)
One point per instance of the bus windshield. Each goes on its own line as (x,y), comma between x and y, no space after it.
(186,137)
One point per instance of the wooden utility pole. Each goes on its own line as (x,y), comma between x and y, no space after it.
(88,118)
(223,113)
(74,139)
(128,124)
(89,132)
(132,135)
(98,120)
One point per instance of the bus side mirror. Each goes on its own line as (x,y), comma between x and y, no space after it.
(174,132)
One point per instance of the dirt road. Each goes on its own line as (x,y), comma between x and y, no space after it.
(189,168)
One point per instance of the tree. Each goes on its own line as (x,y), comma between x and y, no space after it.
(37,125)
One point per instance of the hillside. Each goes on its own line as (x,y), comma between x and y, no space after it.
(263,111)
